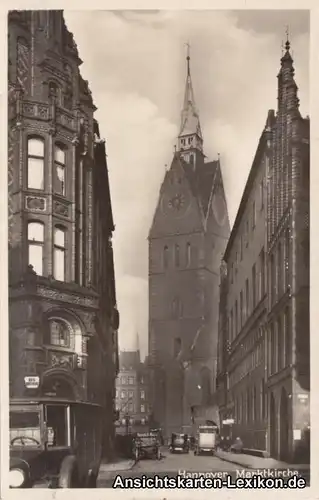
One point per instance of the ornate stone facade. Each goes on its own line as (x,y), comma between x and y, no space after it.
(58,327)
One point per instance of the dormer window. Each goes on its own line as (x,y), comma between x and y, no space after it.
(190,140)
(183,142)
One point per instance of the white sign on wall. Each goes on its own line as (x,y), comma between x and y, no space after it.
(32,382)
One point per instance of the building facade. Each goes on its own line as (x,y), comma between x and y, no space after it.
(132,393)
(244,308)
(264,376)
(63,318)
(187,239)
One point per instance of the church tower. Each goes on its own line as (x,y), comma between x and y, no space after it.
(186,243)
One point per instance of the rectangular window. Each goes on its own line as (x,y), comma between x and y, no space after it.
(142,408)
(242,318)
(123,394)
(261,274)
(59,254)
(35,166)
(236,319)
(254,285)
(35,246)
(59,171)
(116,393)
(247,233)
(142,394)
(247,298)
(287,258)
(254,215)
(177,256)
(124,380)
(130,394)
(131,380)
(287,338)
(130,407)
(261,191)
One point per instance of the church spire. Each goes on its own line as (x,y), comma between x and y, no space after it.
(190,134)
(287,87)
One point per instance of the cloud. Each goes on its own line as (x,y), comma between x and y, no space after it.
(135,63)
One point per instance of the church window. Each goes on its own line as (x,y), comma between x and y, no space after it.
(35,153)
(177,347)
(188,254)
(165,257)
(177,256)
(59,170)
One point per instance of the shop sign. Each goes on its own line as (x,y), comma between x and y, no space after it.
(32,382)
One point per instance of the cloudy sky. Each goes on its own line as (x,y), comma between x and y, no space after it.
(135,63)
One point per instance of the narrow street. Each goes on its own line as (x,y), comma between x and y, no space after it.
(171,465)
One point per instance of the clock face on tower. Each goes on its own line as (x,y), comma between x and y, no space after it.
(175,203)
(219,209)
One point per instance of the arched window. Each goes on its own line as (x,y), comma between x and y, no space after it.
(177,256)
(59,170)
(188,254)
(165,257)
(35,173)
(60,333)
(35,246)
(59,253)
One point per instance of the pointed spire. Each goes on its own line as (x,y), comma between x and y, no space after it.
(287,87)
(189,119)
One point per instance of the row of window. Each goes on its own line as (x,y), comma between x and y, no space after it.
(131,408)
(127,380)
(128,394)
(179,258)
(36,165)
(36,249)
(249,363)
(248,299)
(251,405)
(250,225)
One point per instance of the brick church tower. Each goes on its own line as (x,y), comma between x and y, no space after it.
(187,239)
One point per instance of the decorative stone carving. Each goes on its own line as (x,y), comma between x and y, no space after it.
(28,109)
(42,112)
(66,297)
(61,209)
(61,360)
(35,203)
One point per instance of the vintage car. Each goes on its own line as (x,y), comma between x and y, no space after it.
(55,444)
(146,445)
(206,439)
(180,443)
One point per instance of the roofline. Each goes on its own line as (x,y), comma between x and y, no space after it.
(243,202)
